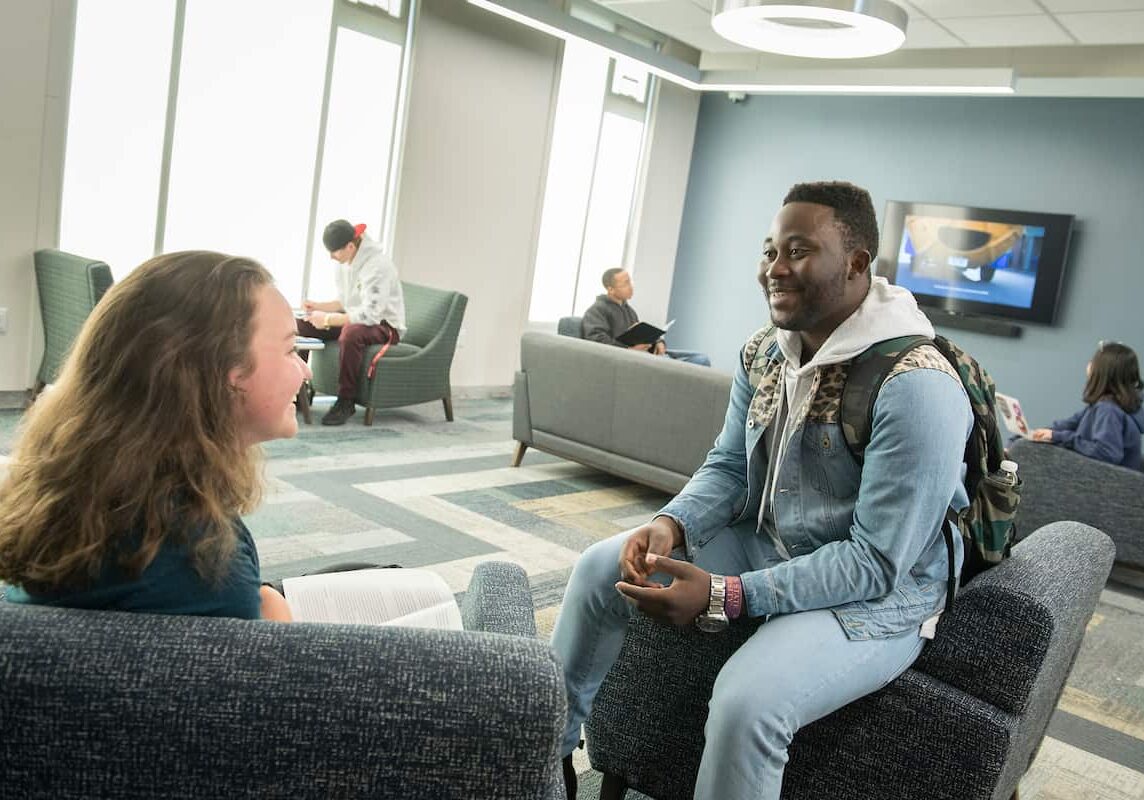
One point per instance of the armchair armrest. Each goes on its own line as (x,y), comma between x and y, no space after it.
(1022,618)
(499,600)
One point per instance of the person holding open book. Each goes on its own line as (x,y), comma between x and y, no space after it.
(369,309)
(128,479)
(612,320)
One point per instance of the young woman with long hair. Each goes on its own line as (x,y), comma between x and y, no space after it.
(129,477)
(1110,425)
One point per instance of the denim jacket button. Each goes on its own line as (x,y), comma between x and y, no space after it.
(750,423)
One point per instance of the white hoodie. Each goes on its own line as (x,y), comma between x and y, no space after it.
(887,313)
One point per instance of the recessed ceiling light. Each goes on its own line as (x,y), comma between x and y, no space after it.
(812,28)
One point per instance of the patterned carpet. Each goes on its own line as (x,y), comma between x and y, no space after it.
(418,491)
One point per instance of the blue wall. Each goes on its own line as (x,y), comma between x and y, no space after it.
(1069,156)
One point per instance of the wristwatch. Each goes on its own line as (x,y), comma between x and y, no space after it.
(714,619)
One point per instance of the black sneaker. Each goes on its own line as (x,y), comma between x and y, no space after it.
(342,410)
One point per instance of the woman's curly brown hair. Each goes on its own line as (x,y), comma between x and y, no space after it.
(139,436)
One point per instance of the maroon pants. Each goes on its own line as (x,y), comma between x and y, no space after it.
(352,341)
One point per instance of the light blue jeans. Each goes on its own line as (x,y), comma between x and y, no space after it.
(690,356)
(795,669)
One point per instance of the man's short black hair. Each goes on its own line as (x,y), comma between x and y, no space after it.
(610,276)
(853,209)
(338,234)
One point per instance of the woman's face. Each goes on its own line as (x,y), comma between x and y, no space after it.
(268,390)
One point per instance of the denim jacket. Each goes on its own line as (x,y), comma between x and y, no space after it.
(865,541)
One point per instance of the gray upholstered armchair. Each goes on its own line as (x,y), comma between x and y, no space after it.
(1062,484)
(570,326)
(414,371)
(113,704)
(69,287)
(963,723)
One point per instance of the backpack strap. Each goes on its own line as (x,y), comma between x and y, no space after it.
(866,373)
(949,529)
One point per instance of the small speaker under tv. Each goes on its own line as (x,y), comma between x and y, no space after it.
(967,322)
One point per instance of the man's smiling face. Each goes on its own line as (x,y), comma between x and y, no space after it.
(805,270)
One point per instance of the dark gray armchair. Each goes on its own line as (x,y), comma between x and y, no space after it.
(1062,484)
(570,326)
(113,704)
(963,723)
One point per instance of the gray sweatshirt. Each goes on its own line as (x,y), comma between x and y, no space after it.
(605,320)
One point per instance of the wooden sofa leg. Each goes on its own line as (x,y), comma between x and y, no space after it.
(447,401)
(612,787)
(518,454)
(369,415)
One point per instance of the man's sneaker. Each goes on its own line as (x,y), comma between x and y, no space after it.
(342,410)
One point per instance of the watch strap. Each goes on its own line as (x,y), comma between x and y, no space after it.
(717,601)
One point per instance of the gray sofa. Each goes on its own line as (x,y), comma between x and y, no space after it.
(110,704)
(1061,484)
(647,419)
(963,723)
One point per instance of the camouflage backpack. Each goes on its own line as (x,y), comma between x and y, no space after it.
(986,524)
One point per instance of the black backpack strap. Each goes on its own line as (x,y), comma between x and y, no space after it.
(867,371)
(950,529)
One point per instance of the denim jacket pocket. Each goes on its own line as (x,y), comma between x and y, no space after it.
(903,609)
(833,470)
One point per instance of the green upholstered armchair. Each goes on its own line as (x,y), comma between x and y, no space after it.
(69,287)
(414,371)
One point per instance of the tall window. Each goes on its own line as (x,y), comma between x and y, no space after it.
(246,131)
(593,170)
(276,116)
(116,118)
(360,127)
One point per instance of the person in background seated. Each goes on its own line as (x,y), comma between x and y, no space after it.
(370,309)
(611,315)
(846,563)
(1110,425)
(126,485)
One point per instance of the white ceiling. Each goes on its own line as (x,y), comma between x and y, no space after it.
(1090,43)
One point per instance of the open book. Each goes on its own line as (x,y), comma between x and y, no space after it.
(414,598)
(643,333)
(1011,414)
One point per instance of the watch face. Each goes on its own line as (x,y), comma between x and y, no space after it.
(711,624)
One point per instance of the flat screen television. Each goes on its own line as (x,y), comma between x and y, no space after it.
(976,261)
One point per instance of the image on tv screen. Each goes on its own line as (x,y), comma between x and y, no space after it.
(969,259)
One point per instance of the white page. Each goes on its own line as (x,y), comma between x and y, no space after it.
(406,597)
(1011,414)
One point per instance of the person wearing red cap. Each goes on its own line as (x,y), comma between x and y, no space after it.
(370,308)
